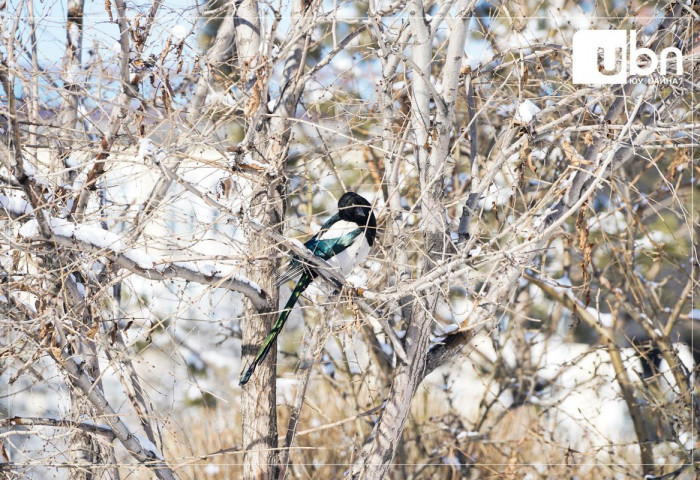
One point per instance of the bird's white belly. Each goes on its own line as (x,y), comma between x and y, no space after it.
(352,256)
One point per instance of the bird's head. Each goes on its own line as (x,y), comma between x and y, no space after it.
(355,208)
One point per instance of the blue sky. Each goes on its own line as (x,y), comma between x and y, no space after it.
(98,30)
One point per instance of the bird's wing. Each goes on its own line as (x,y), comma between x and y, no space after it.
(326,248)
(335,236)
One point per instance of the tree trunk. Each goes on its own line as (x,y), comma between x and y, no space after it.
(380,447)
(258,405)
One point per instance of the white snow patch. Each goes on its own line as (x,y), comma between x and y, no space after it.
(179,32)
(248,160)
(472,63)
(658,238)
(464,434)
(343,62)
(193,394)
(242,279)
(496,196)
(211,469)
(71,162)
(92,234)
(527,111)
(148,149)
(141,258)
(447,329)
(286,390)
(28,168)
(437,83)
(605,319)
(611,223)
(15,206)
(209,270)
(148,445)
(358,280)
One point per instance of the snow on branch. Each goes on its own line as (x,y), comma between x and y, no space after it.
(15,207)
(93,239)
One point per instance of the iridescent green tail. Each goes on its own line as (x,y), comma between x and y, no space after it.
(304,281)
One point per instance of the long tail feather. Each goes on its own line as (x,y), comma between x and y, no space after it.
(294,269)
(304,281)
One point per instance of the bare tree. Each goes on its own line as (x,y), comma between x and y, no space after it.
(534,271)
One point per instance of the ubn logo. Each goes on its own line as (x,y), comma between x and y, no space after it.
(617,65)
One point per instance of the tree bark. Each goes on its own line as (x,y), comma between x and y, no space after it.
(68,114)
(259,395)
(380,448)
(258,406)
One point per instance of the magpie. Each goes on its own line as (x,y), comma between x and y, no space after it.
(343,241)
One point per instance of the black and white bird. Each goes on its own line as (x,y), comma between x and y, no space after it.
(344,241)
